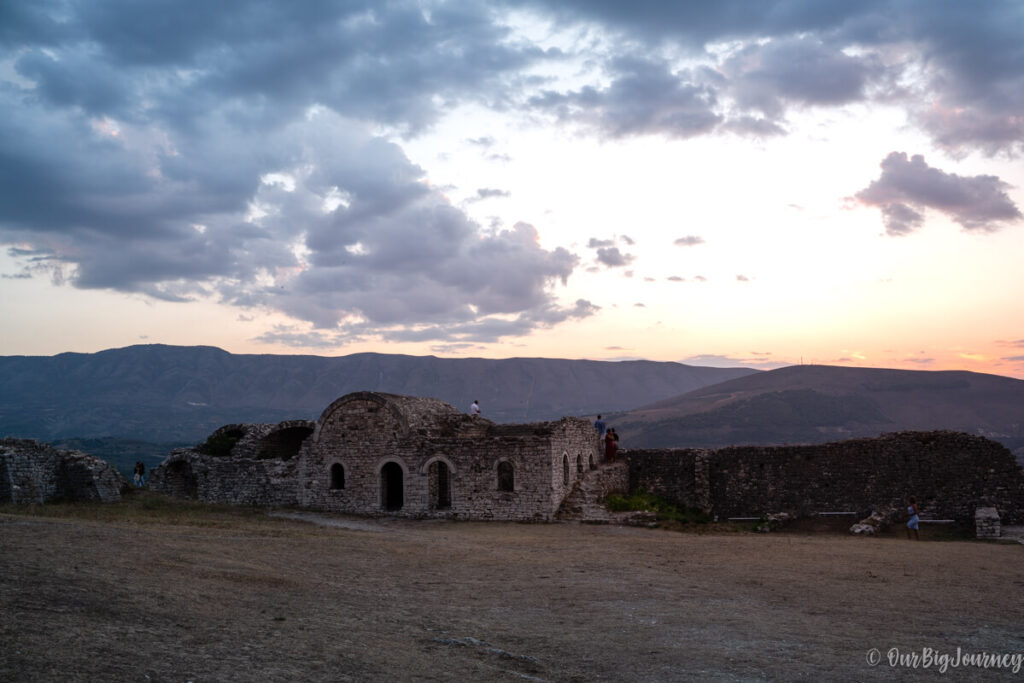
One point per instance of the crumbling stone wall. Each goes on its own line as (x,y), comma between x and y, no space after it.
(31,472)
(950,474)
(244,464)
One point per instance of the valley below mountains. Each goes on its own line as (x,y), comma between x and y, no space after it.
(116,401)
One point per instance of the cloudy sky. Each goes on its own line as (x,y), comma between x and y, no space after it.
(718,183)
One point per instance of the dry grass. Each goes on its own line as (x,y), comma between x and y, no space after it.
(174,592)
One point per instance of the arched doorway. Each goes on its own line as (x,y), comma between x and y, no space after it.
(439,479)
(180,480)
(392,489)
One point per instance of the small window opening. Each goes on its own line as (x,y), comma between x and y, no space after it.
(506,477)
(337,476)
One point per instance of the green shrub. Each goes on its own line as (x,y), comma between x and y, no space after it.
(220,445)
(642,501)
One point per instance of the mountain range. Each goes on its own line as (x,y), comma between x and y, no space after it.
(164,393)
(158,394)
(816,404)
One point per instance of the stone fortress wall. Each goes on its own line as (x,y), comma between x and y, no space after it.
(240,464)
(374,453)
(32,472)
(950,473)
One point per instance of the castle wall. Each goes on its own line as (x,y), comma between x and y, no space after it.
(238,480)
(32,472)
(949,473)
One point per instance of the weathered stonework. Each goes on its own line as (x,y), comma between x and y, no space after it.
(373,453)
(382,454)
(244,464)
(986,523)
(950,473)
(31,472)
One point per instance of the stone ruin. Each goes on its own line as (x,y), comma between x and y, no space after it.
(951,474)
(31,472)
(372,453)
(382,454)
(375,453)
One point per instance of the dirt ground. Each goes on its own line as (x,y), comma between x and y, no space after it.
(247,597)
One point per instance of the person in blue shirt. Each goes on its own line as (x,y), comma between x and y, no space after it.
(600,427)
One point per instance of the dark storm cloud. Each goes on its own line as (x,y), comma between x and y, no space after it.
(909,186)
(395,62)
(225,148)
(182,150)
(957,68)
(766,78)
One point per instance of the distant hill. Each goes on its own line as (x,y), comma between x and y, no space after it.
(158,393)
(816,403)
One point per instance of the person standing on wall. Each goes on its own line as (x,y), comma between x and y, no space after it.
(609,446)
(474,409)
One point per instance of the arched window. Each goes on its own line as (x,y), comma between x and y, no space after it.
(506,477)
(337,476)
(439,484)
(565,469)
(579,463)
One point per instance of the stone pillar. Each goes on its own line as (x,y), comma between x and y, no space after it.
(986,523)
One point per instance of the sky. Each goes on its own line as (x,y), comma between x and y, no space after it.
(717,183)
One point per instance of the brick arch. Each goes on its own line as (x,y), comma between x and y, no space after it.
(506,480)
(382,402)
(440,473)
(285,440)
(222,441)
(387,488)
(435,458)
(180,479)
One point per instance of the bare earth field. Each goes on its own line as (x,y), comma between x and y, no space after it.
(150,590)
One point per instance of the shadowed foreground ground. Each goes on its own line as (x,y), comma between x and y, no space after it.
(220,595)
